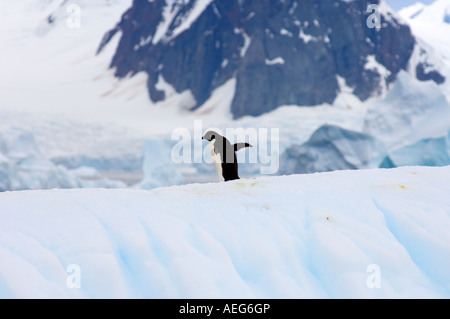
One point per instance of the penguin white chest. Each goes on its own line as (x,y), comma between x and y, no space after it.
(217,161)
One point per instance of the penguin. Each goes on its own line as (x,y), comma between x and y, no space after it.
(224,155)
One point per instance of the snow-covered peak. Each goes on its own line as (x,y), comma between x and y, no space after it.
(412,110)
(412,11)
(178,16)
(430,24)
(295,51)
(437,12)
(388,13)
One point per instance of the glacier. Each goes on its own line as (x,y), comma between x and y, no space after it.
(333,148)
(158,167)
(23,166)
(426,152)
(411,111)
(324,235)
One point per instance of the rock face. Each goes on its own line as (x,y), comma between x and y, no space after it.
(332,148)
(281,52)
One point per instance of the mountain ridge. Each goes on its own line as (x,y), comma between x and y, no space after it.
(280,52)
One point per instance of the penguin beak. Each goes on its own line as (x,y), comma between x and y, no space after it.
(203,137)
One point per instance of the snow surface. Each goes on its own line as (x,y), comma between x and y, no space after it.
(171,11)
(277,60)
(197,9)
(388,13)
(372,64)
(412,11)
(411,111)
(306,37)
(299,236)
(428,23)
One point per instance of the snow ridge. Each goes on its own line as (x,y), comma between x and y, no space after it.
(298,236)
(170,18)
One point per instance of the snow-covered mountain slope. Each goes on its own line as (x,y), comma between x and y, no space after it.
(348,234)
(411,111)
(431,23)
(412,11)
(51,68)
(277,52)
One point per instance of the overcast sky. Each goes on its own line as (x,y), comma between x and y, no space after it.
(398,4)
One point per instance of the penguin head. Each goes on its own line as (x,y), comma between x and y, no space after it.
(210,135)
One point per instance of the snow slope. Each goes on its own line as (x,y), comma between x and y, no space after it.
(431,23)
(327,235)
(411,111)
(64,77)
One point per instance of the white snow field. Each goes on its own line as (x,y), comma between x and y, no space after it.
(411,111)
(431,23)
(345,234)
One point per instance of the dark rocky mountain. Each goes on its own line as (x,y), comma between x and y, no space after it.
(281,52)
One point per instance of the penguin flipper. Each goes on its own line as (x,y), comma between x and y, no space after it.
(239,146)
